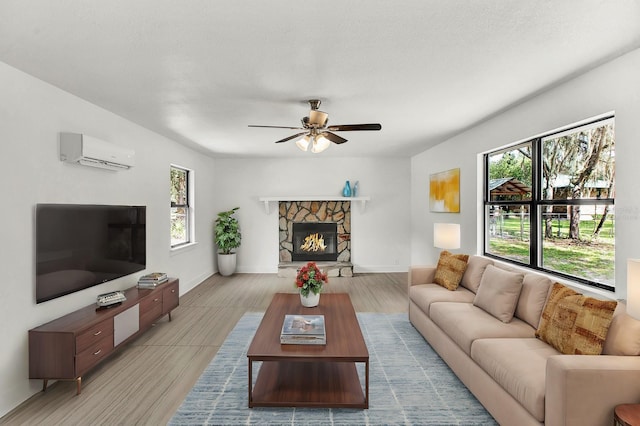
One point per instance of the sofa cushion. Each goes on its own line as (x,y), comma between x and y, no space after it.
(579,324)
(535,290)
(464,323)
(424,295)
(623,337)
(473,274)
(557,293)
(519,366)
(450,269)
(498,292)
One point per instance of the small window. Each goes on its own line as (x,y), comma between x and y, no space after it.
(181,206)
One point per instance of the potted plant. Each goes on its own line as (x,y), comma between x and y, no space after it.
(309,281)
(227,238)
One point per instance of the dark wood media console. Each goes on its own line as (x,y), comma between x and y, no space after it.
(68,347)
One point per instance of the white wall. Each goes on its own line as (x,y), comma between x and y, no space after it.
(379,236)
(612,87)
(32,113)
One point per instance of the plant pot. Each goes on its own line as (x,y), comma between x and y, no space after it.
(226,264)
(311,300)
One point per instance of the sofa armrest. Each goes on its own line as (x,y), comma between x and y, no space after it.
(585,389)
(421,275)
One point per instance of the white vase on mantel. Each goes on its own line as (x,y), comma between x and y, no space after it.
(311,300)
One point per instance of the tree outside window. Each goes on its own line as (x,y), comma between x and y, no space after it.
(180,206)
(549,203)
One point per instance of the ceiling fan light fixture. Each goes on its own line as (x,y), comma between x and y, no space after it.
(318,118)
(303,142)
(320,143)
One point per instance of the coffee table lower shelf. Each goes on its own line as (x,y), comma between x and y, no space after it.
(308,384)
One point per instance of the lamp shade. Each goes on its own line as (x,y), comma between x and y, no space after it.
(320,143)
(446,235)
(303,142)
(633,287)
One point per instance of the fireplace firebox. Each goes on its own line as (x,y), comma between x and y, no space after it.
(315,241)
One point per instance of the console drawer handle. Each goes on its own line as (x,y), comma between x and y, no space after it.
(96,353)
(97,333)
(155,300)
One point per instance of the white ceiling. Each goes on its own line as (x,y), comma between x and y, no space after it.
(200,71)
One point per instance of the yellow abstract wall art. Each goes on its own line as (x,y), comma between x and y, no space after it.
(444,191)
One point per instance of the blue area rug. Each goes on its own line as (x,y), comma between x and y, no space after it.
(409,384)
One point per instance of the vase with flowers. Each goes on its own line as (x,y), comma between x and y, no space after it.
(309,282)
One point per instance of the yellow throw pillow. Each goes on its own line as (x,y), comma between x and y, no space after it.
(578,324)
(450,269)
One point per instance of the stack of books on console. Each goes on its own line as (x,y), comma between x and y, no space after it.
(152,280)
(303,330)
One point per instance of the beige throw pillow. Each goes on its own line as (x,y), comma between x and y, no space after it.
(623,337)
(535,290)
(575,324)
(473,274)
(498,292)
(450,269)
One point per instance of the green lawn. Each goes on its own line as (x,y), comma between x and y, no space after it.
(586,258)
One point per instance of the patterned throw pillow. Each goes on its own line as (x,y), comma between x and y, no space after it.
(558,292)
(578,324)
(450,269)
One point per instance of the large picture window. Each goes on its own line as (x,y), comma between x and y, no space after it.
(549,203)
(181,206)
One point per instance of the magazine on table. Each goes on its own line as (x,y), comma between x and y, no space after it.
(303,330)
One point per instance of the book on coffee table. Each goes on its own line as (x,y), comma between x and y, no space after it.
(303,330)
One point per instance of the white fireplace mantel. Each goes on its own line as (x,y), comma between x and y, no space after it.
(268,200)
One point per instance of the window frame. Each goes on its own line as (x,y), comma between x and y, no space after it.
(537,202)
(188,206)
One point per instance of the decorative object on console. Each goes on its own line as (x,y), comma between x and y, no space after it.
(309,281)
(446,235)
(113,298)
(633,287)
(227,238)
(346,191)
(450,269)
(444,191)
(152,280)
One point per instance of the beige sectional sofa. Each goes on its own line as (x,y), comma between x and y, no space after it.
(520,379)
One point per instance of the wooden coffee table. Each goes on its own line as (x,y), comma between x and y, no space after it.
(309,375)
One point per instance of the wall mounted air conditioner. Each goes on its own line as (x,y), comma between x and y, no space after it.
(88,151)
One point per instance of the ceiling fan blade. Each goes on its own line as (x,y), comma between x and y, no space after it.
(333,137)
(350,127)
(291,137)
(276,127)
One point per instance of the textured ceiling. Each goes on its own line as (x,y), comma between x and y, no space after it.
(200,71)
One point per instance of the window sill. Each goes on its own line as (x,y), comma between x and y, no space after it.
(182,248)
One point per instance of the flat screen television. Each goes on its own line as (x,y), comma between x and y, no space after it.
(80,246)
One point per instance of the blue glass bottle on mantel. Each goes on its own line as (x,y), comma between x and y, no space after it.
(354,192)
(346,191)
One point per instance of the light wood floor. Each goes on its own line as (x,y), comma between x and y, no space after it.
(145,382)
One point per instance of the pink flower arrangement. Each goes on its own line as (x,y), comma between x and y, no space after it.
(310,279)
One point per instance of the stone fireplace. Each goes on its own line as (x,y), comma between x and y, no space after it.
(317,231)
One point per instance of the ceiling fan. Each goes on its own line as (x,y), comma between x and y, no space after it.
(317,133)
